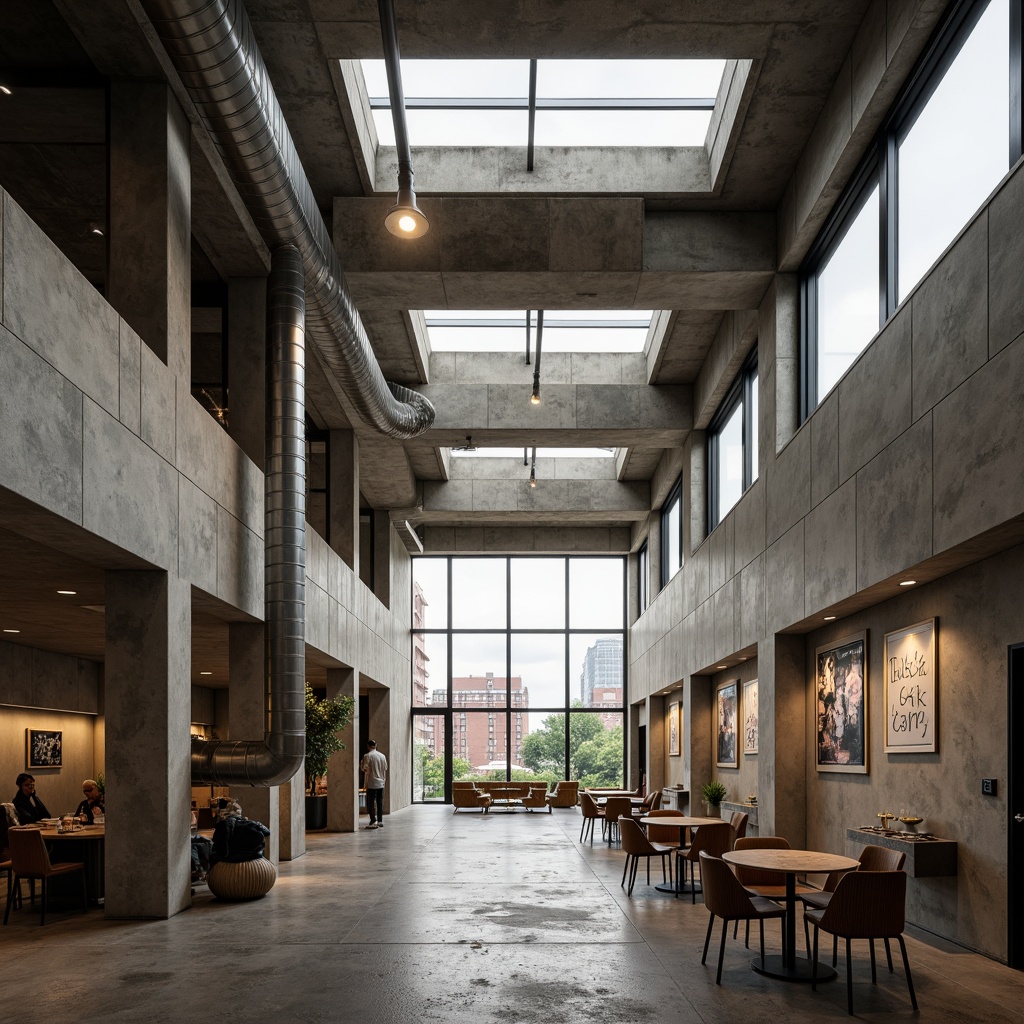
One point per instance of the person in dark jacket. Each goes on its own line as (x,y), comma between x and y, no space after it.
(29,807)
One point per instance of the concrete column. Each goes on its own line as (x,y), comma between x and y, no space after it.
(382,556)
(249,722)
(697,489)
(380,730)
(343,767)
(150,238)
(247,319)
(343,496)
(782,739)
(698,759)
(658,776)
(292,843)
(148,708)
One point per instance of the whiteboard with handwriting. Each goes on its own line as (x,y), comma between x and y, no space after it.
(911,690)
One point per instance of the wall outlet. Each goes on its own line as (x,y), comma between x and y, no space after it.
(988,787)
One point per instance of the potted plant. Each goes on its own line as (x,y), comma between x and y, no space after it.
(712,793)
(325,717)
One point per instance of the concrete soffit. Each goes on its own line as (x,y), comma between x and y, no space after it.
(652,172)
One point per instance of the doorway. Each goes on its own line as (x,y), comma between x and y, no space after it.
(1015,807)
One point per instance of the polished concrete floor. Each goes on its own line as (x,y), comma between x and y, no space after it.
(473,919)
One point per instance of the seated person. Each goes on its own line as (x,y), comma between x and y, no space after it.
(227,808)
(92,804)
(29,807)
(201,849)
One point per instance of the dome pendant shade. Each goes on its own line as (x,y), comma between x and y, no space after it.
(405,219)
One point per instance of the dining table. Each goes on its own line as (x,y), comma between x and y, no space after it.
(791,863)
(92,844)
(682,822)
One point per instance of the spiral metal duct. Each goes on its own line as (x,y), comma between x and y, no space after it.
(212,47)
(275,759)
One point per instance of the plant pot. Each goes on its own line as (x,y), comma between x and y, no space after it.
(316,813)
(712,810)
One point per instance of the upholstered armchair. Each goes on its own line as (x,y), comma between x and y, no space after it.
(465,796)
(537,797)
(565,794)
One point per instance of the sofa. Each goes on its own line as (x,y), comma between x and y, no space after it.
(465,796)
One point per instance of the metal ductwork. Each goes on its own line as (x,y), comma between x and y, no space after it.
(276,758)
(212,47)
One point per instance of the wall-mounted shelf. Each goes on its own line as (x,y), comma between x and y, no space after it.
(927,856)
(728,809)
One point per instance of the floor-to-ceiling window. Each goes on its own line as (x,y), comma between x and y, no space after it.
(518,670)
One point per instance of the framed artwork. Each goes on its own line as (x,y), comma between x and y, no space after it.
(841,708)
(750,717)
(727,703)
(674,730)
(44,748)
(911,690)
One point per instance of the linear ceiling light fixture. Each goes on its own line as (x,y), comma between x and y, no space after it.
(405,219)
(535,397)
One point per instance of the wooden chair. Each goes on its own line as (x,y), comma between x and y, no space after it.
(615,807)
(738,824)
(30,860)
(711,839)
(726,898)
(636,845)
(664,834)
(865,905)
(872,858)
(590,815)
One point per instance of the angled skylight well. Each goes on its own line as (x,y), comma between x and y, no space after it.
(591,330)
(542,453)
(549,103)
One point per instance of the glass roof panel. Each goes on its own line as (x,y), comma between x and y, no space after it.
(622,127)
(462,78)
(634,79)
(456,127)
(542,453)
(605,330)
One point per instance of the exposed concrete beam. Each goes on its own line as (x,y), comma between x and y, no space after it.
(503,539)
(735,338)
(570,253)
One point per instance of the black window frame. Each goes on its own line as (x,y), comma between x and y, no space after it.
(674,496)
(740,394)
(879,167)
(643,577)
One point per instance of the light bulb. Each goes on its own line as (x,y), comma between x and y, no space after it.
(535,398)
(407,223)
(533,481)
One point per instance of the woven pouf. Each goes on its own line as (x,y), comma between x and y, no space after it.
(244,880)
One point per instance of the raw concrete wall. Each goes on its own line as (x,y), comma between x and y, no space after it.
(911,463)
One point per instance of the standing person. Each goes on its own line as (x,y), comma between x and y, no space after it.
(29,807)
(375,764)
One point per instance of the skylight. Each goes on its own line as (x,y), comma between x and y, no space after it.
(590,330)
(572,103)
(542,453)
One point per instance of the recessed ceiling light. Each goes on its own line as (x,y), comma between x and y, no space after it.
(70,593)
(907,583)
(743,659)
(12,630)
(206,673)
(5,90)
(830,618)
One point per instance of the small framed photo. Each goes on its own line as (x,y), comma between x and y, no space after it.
(750,717)
(841,707)
(727,702)
(674,730)
(911,690)
(45,748)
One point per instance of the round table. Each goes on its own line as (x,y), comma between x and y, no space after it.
(791,862)
(682,822)
(92,838)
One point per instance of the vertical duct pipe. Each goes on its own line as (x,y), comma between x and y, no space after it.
(535,398)
(275,759)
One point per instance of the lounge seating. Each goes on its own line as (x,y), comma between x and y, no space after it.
(565,794)
(465,796)
(537,797)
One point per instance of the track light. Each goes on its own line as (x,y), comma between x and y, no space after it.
(405,219)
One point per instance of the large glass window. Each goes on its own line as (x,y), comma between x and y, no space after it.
(946,143)
(495,697)
(672,533)
(732,444)
(643,578)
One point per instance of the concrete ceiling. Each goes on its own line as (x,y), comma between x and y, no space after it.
(697,257)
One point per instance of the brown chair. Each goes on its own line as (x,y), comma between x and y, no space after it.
(590,814)
(615,807)
(565,794)
(663,833)
(651,802)
(465,796)
(726,898)
(711,839)
(5,862)
(738,824)
(536,796)
(872,858)
(761,882)
(30,860)
(865,905)
(636,845)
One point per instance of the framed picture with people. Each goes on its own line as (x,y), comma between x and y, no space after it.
(727,703)
(841,705)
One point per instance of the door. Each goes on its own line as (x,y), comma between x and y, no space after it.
(1015,805)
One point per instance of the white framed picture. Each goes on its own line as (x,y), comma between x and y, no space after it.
(911,690)
(749,706)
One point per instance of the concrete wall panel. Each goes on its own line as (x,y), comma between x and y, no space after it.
(825,449)
(197,532)
(749,525)
(788,486)
(1005,258)
(830,549)
(130,384)
(159,405)
(784,580)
